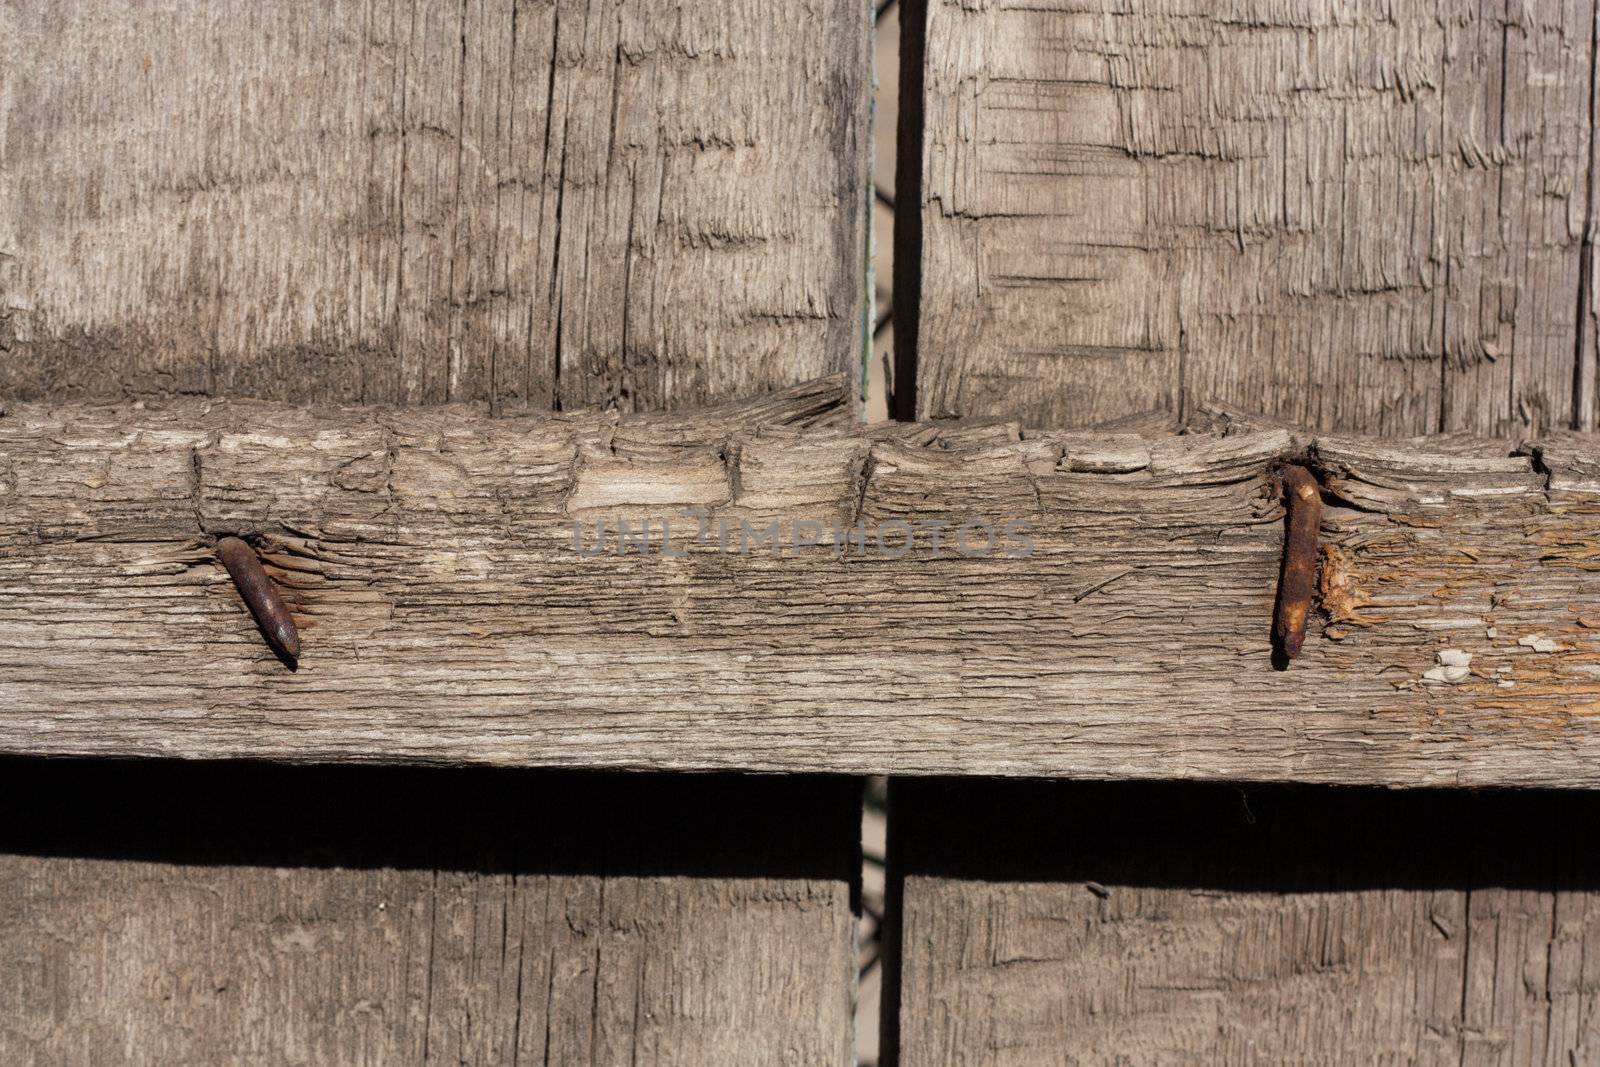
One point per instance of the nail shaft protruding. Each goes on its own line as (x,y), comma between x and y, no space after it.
(1302,499)
(260,595)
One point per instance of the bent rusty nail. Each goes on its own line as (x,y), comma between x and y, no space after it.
(260,595)
(1302,519)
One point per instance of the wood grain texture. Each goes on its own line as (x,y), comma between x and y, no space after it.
(1355,217)
(1178,924)
(233,914)
(529,202)
(448,614)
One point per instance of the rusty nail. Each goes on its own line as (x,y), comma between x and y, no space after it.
(1302,519)
(260,595)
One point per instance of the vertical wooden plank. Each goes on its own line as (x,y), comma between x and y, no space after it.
(1049,923)
(1519,133)
(537,203)
(1349,216)
(194,913)
(531,202)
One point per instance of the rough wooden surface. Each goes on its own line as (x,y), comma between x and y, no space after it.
(642,205)
(226,914)
(447,615)
(1361,218)
(1057,923)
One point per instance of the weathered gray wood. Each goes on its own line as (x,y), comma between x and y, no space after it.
(533,204)
(1049,924)
(447,616)
(642,205)
(462,919)
(1361,218)
(227,914)
(1354,219)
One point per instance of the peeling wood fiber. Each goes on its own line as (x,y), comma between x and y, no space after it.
(534,203)
(1372,218)
(448,617)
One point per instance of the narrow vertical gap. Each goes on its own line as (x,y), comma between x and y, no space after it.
(889,941)
(1584,355)
(908,207)
(878,373)
(868,901)
(880,871)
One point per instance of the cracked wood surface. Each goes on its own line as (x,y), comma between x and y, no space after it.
(227,914)
(1373,219)
(320,915)
(447,617)
(538,204)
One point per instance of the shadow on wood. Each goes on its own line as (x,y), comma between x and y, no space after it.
(166,912)
(1211,923)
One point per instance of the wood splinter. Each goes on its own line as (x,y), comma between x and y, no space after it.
(1302,519)
(277,625)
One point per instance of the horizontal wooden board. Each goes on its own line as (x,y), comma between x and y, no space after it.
(164,912)
(540,204)
(1050,923)
(1116,627)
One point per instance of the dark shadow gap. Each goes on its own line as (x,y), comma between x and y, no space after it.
(906,311)
(1252,838)
(1215,840)
(488,820)
(908,223)
(1584,356)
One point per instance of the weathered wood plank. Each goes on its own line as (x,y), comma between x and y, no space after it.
(1057,923)
(1518,138)
(534,204)
(246,914)
(646,205)
(1122,630)
(1356,218)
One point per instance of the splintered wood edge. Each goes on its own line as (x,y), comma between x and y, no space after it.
(426,553)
